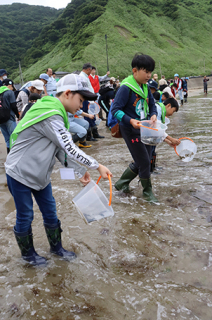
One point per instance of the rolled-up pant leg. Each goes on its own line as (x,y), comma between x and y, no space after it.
(180,92)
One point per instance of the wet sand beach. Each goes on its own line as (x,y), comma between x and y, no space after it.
(148,262)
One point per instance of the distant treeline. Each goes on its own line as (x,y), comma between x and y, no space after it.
(20,25)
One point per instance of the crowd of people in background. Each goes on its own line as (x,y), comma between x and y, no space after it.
(83,125)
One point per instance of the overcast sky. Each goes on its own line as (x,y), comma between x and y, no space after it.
(48,3)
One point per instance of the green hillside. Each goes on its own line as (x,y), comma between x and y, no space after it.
(176,34)
(20,25)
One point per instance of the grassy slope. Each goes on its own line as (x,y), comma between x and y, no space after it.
(182,48)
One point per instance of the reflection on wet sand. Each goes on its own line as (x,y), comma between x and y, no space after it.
(146,262)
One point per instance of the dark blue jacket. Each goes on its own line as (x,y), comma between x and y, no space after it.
(185,85)
(127,102)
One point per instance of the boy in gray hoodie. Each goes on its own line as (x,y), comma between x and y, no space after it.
(39,137)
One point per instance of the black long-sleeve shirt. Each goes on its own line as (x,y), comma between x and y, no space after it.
(127,106)
(9,100)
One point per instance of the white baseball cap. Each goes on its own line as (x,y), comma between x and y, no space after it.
(74,82)
(38,84)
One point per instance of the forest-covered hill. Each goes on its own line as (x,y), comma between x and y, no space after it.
(20,25)
(177,35)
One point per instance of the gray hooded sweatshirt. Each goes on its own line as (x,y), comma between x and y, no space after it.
(32,158)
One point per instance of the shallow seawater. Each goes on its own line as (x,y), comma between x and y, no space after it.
(147,262)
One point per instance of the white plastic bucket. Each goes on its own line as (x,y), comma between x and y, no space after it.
(152,133)
(98,121)
(93,107)
(186,150)
(92,204)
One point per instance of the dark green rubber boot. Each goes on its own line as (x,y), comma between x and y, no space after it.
(25,243)
(123,183)
(54,237)
(147,191)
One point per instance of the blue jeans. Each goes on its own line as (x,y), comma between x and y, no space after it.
(79,126)
(24,204)
(7,129)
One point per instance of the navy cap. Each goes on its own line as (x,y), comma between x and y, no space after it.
(153,84)
(7,82)
(2,72)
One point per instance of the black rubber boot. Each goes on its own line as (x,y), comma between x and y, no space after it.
(181,102)
(126,178)
(54,237)
(83,143)
(147,190)
(25,243)
(96,133)
(89,136)
(75,137)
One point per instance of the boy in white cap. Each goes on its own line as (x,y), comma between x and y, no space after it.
(39,137)
(37,86)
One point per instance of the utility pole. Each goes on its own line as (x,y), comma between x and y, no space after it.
(21,76)
(96,68)
(204,65)
(107,53)
(160,70)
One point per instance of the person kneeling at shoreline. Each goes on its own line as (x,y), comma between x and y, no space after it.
(39,137)
(165,109)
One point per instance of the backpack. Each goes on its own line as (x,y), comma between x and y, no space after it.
(113,122)
(18,91)
(4,111)
(104,89)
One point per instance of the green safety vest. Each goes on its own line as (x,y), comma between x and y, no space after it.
(41,110)
(131,83)
(163,111)
(3,89)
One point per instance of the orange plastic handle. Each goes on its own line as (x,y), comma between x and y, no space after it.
(181,139)
(140,125)
(111,190)
(148,127)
